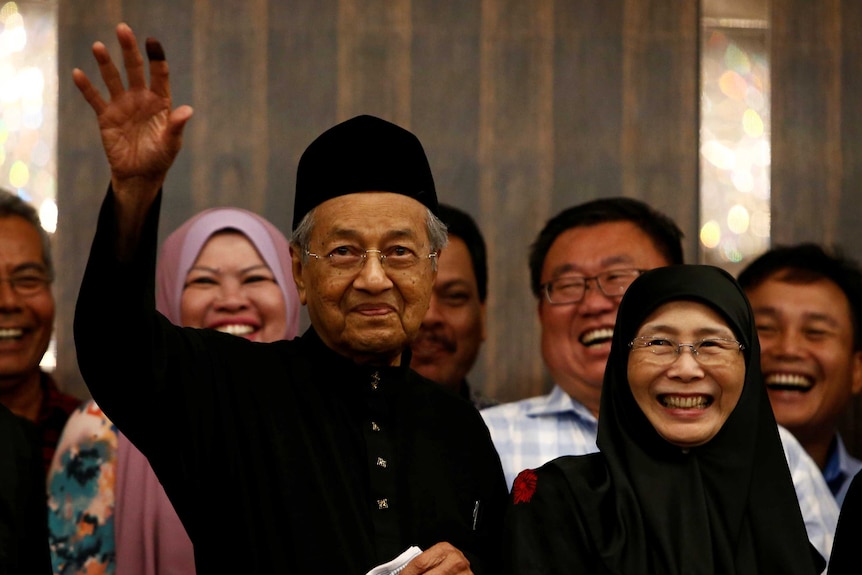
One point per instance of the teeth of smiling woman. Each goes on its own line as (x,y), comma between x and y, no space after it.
(11,333)
(235,329)
(597,336)
(677,402)
(789,380)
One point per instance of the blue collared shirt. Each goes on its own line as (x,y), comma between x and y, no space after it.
(533,431)
(840,469)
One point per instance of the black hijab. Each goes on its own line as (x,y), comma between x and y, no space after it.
(727,506)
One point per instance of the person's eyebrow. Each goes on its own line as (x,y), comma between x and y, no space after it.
(605,263)
(30,266)
(702,332)
(351,234)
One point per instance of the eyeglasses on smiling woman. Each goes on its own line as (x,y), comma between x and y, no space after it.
(708,351)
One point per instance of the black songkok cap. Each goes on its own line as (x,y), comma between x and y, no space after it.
(363,154)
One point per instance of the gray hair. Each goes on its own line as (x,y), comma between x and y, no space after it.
(438,236)
(13,206)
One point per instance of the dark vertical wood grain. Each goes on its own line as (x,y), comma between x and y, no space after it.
(301,96)
(374,59)
(83,175)
(849,232)
(516,173)
(228,140)
(660,111)
(805,56)
(588,88)
(445,114)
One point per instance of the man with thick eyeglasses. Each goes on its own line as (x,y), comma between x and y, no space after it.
(581,264)
(26,323)
(323,454)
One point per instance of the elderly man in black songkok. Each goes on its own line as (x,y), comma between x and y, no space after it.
(322,454)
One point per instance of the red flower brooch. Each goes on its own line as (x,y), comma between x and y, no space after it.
(524,487)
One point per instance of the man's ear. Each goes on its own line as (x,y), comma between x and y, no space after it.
(296,268)
(857,372)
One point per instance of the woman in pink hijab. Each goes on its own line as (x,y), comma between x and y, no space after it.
(226,269)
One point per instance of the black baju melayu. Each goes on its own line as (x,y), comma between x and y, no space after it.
(283,457)
(23,515)
(644,506)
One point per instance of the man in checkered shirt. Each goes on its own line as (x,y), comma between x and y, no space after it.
(580,266)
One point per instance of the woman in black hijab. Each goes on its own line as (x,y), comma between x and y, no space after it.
(691,476)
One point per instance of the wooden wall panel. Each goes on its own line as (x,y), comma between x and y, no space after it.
(660,111)
(301,92)
(805,56)
(444,94)
(588,88)
(516,169)
(374,59)
(849,231)
(83,175)
(228,140)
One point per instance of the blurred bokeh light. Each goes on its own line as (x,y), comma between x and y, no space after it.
(734,144)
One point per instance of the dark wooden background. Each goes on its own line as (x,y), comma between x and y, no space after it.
(524,108)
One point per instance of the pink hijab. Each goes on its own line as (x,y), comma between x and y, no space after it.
(181,249)
(150,539)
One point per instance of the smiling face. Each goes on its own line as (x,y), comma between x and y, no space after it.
(576,337)
(686,402)
(230,288)
(26,322)
(454,327)
(372,313)
(807,356)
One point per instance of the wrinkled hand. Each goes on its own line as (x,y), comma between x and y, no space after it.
(440,559)
(140,133)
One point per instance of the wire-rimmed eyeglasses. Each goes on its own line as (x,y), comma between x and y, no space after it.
(28,284)
(572,289)
(351,258)
(707,351)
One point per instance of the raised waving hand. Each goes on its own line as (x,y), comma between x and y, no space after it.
(141,133)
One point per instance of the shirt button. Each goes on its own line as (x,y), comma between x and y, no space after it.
(382,504)
(381,462)
(374,426)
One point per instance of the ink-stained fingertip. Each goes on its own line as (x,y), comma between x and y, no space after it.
(155,52)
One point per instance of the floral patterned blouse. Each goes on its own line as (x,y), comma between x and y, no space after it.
(81,495)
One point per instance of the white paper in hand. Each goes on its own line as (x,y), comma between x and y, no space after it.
(395,566)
